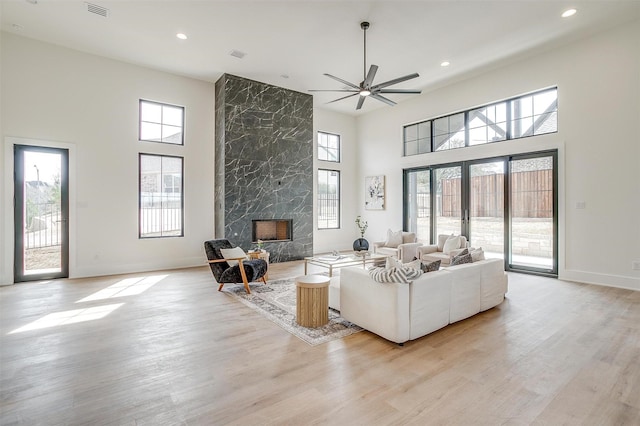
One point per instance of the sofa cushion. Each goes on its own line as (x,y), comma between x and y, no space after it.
(432,257)
(452,243)
(394,275)
(465,291)
(394,239)
(389,251)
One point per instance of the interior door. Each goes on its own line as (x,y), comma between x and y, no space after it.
(41,213)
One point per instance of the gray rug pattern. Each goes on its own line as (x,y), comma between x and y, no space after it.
(277,302)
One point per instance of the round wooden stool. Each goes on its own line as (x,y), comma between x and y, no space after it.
(312,300)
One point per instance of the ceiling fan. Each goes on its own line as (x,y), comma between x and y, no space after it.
(366,88)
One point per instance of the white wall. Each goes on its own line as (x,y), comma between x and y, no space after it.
(90,104)
(598,83)
(327,240)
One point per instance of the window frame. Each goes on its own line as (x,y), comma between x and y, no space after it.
(509,123)
(162,176)
(327,149)
(161,123)
(338,201)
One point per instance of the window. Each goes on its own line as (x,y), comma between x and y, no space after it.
(534,115)
(161,123)
(488,124)
(328,199)
(328,147)
(417,138)
(161,202)
(448,132)
(519,117)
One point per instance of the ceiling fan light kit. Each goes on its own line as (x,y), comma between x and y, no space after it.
(366,88)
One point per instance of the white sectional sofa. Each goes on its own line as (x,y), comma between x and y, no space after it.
(401,312)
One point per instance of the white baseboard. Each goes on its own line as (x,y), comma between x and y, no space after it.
(116,269)
(608,280)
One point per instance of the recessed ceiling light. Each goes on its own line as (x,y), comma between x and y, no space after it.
(284,75)
(568,12)
(181,36)
(445,63)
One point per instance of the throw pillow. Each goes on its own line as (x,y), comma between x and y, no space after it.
(394,275)
(415,264)
(452,243)
(392,263)
(477,254)
(394,239)
(460,259)
(442,238)
(431,266)
(233,253)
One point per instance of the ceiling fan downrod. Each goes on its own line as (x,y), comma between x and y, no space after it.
(365,26)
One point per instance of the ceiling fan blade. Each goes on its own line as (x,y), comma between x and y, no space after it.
(344,97)
(383,99)
(360,102)
(343,81)
(334,90)
(370,76)
(417,92)
(395,81)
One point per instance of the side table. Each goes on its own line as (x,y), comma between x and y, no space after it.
(261,255)
(312,300)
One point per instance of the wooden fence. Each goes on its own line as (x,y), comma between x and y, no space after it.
(531,196)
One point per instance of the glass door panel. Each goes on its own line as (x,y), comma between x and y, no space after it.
(486,207)
(418,203)
(41,237)
(448,213)
(531,195)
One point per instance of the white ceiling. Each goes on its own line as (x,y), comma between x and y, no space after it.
(304,39)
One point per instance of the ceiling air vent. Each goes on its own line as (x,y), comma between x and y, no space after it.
(237,54)
(98,10)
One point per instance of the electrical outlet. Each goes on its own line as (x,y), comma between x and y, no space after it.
(635,265)
(581,205)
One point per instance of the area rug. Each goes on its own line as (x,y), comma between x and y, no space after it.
(277,302)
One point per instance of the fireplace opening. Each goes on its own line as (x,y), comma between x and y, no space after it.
(272,230)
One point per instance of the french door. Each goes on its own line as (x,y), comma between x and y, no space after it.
(506,205)
(41,213)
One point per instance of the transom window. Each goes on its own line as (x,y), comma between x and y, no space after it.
(161,196)
(519,117)
(161,123)
(328,147)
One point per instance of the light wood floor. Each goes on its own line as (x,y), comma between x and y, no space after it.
(180,352)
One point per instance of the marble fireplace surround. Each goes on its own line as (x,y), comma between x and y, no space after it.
(263,164)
